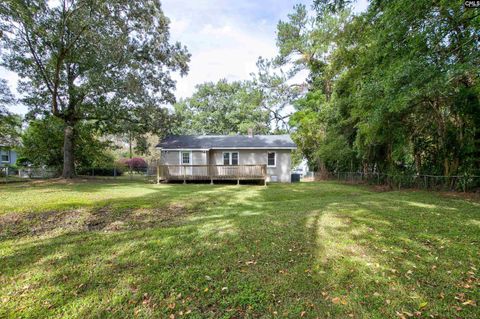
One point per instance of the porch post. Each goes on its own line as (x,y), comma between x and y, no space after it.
(184,174)
(158,166)
(210,173)
(264,169)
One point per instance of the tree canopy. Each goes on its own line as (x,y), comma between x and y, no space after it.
(9,123)
(89,60)
(223,108)
(42,144)
(395,88)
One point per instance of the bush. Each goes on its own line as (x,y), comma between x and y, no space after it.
(137,164)
(23,161)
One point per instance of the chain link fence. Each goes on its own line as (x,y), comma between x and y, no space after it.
(24,174)
(147,173)
(463,183)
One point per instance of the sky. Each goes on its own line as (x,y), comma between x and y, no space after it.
(224,37)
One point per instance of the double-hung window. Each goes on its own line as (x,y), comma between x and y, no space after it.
(234,158)
(5,156)
(186,158)
(271,159)
(230,158)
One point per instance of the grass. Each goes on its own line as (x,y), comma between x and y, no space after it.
(312,250)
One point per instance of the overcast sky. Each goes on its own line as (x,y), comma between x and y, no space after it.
(225,37)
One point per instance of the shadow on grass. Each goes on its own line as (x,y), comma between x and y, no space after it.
(318,249)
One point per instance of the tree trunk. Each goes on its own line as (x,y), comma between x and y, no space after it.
(418,162)
(130,144)
(68,154)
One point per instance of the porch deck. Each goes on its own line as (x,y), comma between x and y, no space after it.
(211,172)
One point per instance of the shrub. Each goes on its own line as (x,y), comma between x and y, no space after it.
(137,164)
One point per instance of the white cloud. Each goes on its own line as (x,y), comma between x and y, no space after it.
(224,51)
(179,26)
(225,37)
(360,6)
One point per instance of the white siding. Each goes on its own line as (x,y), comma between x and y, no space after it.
(173,157)
(282,170)
(247,157)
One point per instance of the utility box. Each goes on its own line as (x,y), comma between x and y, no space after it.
(295,178)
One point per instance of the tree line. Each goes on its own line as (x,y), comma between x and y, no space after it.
(393,89)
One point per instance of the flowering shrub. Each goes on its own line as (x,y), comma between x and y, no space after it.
(135,163)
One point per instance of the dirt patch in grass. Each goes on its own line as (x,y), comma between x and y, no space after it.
(82,220)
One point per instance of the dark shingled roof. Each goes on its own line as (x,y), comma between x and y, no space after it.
(226,141)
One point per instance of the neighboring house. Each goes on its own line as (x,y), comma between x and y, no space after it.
(302,168)
(7,156)
(226,157)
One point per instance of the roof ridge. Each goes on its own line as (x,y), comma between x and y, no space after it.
(227,141)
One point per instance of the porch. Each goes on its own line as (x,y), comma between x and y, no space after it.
(211,172)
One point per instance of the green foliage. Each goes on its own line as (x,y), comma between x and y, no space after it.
(223,108)
(9,123)
(277,93)
(297,158)
(393,89)
(42,144)
(261,103)
(23,161)
(91,60)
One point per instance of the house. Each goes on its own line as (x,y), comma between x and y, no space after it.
(302,168)
(226,157)
(7,156)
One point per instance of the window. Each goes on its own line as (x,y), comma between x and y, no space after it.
(230,158)
(5,156)
(186,158)
(234,159)
(226,158)
(272,160)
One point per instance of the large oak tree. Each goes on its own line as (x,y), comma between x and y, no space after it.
(90,60)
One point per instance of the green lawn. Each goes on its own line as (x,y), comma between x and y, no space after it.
(326,250)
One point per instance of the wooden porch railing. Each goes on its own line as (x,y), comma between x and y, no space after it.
(211,172)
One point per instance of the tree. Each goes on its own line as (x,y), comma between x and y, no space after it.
(305,42)
(9,123)
(90,60)
(223,108)
(277,93)
(393,89)
(142,123)
(42,144)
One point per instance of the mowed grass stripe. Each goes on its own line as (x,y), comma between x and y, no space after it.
(106,249)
